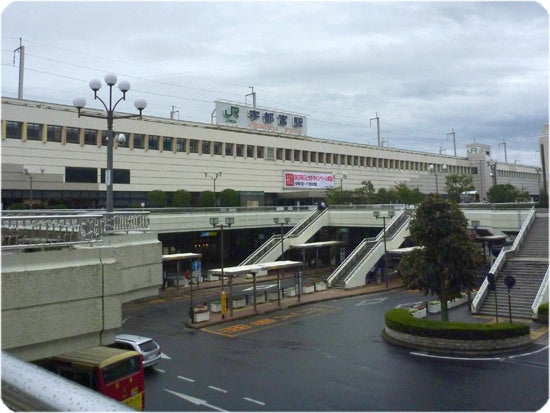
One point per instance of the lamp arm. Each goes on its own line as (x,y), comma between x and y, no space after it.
(96,97)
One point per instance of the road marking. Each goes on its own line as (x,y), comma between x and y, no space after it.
(124,320)
(158,370)
(415,353)
(371,301)
(254,401)
(186,379)
(530,353)
(164,356)
(217,389)
(194,400)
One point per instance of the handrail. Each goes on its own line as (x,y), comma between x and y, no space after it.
(542,295)
(27,387)
(361,251)
(501,259)
(34,231)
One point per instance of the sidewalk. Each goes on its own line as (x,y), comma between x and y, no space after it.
(289,302)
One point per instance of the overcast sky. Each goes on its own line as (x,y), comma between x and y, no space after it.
(426,68)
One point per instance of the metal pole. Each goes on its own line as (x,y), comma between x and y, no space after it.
(282,245)
(436,185)
(109,171)
(509,306)
(385,261)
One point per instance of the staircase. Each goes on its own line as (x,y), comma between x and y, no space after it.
(528,267)
(364,249)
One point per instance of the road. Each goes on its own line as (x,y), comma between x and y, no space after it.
(324,357)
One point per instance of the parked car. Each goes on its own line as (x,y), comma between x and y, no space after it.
(149,348)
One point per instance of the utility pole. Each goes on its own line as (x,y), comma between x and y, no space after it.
(21,50)
(173,112)
(452,133)
(253,94)
(377,127)
(503,143)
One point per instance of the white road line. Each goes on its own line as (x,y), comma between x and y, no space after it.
(528,354)
(217,389)
(186,379)
(158,370)
(414,353)
(124,320)
(254,401)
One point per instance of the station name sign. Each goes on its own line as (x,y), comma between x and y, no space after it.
(261,119)
(308,180)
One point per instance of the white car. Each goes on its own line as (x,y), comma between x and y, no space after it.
(149,348)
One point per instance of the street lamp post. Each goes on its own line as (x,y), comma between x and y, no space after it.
(214,176)
(493,166)
(342,177)
(214,221)
(282,221)
(433,170)
(390,215)
(110,115)
(31,176)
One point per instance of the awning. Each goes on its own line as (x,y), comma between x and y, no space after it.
(316,244)
(255,268)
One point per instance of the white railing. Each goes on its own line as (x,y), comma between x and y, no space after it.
(501,259)
(36,231)
(541,297)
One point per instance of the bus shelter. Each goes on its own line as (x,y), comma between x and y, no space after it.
(254,269)
(180,259)
(316,246)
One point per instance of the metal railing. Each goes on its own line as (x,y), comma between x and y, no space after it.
(542,295)
(501,259)
(365,247)
(46,230)
(26,387)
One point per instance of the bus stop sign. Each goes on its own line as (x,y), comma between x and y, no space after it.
(509,281)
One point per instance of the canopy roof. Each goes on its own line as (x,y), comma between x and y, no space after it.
(255,268)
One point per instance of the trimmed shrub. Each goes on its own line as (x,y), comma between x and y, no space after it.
(401,320)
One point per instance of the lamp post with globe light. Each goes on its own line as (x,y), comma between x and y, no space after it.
(80,103)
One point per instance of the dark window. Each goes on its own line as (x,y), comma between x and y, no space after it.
(193,146)
(34,132)
(90,137)
(139,141)
(120,176)
(54,133)
(153,142)
(240,150)
(229,149)
(13,130)
(206,147)
(260,152)
(73,174)
(250,151)
(181,145)
(218,148)
(73,135)
(279,154)
(167,143)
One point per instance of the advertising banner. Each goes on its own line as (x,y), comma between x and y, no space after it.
(308,180)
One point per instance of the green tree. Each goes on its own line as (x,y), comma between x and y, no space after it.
(402,194)
(335,196)
(181,198)
(449,258)
(206,199)
(229,198)
(457,184)
(364,194)
(156,199)
(506,193)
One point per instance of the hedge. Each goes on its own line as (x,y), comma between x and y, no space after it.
(401,320)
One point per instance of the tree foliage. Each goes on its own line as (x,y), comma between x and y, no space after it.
(181,198)
(457,184)
(206,199)
(229,198)
(506,193)
(449,258)
(156,199)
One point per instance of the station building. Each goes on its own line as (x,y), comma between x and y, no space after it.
(50,155)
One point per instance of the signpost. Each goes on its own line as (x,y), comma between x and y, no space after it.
(510,282)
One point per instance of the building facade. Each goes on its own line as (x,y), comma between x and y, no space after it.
(51,155)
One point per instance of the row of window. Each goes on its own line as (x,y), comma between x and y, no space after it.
(90,175)
(516,175)
(81,136)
